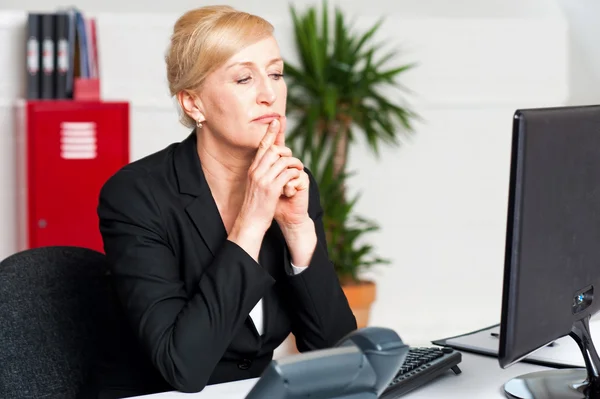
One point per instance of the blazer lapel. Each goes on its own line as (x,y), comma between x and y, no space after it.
(205,215)
(202,210)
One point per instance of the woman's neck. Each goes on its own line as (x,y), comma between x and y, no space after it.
(226,171)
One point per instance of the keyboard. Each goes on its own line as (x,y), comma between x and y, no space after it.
(421,366)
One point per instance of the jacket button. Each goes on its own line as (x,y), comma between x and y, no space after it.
(244,364)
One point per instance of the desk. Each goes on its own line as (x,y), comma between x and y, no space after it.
(481,378)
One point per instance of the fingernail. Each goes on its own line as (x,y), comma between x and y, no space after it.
(274,123)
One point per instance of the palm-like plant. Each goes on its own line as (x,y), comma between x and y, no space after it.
(335,92)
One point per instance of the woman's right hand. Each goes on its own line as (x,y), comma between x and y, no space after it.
(272,168)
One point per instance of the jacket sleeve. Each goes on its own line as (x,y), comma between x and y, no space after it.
(184,333)
(321,315)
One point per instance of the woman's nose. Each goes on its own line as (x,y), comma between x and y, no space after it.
(266,93)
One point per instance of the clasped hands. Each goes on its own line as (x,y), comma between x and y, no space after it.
(280,177)
(278,188)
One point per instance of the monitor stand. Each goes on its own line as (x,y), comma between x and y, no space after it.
(574,383)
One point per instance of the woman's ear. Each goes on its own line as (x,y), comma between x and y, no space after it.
(191,105)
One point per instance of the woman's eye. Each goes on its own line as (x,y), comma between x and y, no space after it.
(275,76)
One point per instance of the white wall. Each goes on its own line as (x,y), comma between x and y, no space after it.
(584,46)
(405,8)
(440,199)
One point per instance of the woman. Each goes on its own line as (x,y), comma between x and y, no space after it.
(216,243)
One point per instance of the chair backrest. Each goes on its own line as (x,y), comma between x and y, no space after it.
(57,312)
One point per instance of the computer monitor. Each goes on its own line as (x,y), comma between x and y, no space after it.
(552,259)
(361,366)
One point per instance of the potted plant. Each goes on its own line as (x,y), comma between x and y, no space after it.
(335,92)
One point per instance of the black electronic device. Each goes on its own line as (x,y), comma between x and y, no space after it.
(552,257)
(422,366)
(360,367)
(368,363)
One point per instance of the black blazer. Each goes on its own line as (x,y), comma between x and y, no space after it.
(187,291)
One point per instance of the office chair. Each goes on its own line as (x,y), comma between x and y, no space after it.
(57,314)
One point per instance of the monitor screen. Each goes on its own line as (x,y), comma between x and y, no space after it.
(552,258)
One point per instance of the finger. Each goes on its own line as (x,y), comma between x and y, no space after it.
(301,183)
(304,182)
(289,190)
(280,138)
(282,151)
(273,154)
(268,139)
(282,164)
(285,176)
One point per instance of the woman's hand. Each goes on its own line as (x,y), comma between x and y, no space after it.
(292,207)
(291,214)
(272,168)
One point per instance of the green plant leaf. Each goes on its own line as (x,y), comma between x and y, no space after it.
(334,92)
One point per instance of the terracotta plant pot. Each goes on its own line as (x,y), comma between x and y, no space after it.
(361,296)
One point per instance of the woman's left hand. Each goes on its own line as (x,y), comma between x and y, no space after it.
(292,208)
(291,214)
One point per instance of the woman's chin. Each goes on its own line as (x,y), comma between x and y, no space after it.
(249,147)
(250,139)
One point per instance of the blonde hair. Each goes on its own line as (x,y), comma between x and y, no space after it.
(204,39)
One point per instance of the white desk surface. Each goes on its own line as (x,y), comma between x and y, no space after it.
(481,378)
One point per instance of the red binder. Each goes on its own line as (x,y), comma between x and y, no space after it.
(66,150)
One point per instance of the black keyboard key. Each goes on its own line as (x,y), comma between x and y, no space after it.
(421,366)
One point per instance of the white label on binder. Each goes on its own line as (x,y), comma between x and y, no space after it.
(48,55)
(62,56)
(33,55)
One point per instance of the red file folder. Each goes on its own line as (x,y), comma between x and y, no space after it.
(66,150)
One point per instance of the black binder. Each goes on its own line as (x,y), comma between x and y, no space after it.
(33,56)
(48,56)
(63,63)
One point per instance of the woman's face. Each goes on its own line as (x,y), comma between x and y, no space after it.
(242,97)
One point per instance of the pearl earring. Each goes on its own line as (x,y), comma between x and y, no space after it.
(199,123)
